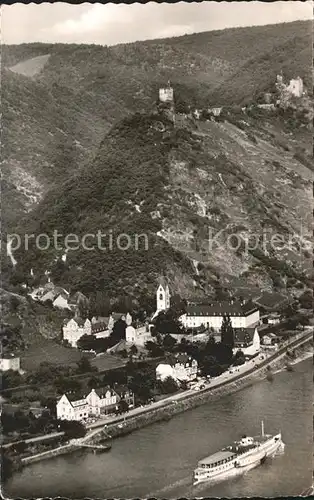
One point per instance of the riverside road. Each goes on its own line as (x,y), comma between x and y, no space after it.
(227,377)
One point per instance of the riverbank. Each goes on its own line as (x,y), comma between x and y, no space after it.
(120,426)
(157,460)
(278,363)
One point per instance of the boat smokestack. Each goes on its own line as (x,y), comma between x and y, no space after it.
(262,428)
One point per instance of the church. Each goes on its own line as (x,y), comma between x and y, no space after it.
(162,298)
(243,314)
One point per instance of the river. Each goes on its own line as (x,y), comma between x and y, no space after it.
(157,461)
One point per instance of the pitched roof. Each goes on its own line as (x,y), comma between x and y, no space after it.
(117,316)
(76,298)
(243,335)
(183,358)
(99,327)
(79,321)
(74,397)
(48,296)
(64,294)
(271,300)
(122,389)
(100,319)
(233,308)
(102,391)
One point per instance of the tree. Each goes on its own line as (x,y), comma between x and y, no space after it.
(142,384)
(223,354)
(100,304)
(65,384)
(168,322)
(118,331)
(10,379)
(169,342)
(45,374)
(304,321)
(86,342)
(290,310)
(84,365)
(306,299)
(133,350)
(227,333)
(93,382)
(154,350)
(207,365)
(72,429)
(177,304)
(239,358)
(50,404)
(221,293)
(216,370)
(122,406)
(168,386)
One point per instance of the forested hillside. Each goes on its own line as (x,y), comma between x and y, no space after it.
(54,120)
(85,149)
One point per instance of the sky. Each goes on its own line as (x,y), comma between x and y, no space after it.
(110,24)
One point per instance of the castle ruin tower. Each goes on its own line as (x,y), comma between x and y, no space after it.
(166,100)
(166,94)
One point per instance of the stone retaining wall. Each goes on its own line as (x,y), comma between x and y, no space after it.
(61,450)
(227,387)
(165,413)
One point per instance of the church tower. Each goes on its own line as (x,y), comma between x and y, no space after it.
(162,298)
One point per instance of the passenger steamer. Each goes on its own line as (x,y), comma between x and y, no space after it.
(238,458)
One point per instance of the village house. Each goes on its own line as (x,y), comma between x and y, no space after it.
(180,367)
(243,314)
(102,400)
(270,340)
(76,327)
(70,408)
(268,107)
(125,394)
(10,362)
(48,296)
(50,292)
(214,111)
(99,401)
(61,300)
(100,327)
(273,319)
(247,340)
(295,87)
(138,336)
(78,302)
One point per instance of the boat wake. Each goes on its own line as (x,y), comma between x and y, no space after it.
(280,451)
(186,481)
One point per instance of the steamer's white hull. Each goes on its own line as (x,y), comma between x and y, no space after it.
(241,464)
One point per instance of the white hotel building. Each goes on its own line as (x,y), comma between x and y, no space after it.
(242,314)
